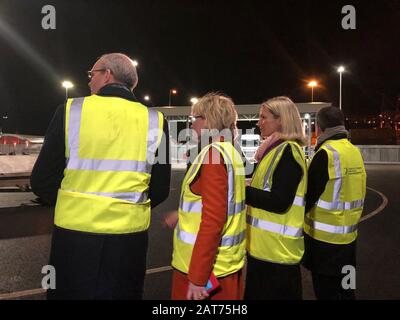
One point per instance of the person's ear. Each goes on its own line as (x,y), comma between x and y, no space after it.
(109,76)
(279,121)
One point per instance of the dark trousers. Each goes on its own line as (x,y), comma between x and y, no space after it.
(327,287)
(91,266)
(272,281)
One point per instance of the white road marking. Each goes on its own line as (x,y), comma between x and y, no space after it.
(20,294)
(33,292)
(157,270)
(377,210)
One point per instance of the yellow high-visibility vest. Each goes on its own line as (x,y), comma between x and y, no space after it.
(336,214)
(231,251)
(273,237)
(110,146)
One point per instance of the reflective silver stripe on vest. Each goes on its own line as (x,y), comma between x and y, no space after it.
(226,241)
(298,201)
(231,183)
(299,152)
(197,206)
(152,137)
(340,205)
(338,175)
(267,186)
(274,227)
(108,165)
(135,197)
(76,163)
(330,228)
(336,204)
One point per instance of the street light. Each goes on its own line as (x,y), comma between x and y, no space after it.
(172,92)
(147,98)
(194,100)
(307,117)
(312,84)
(340,70)
(135,63)
(67,85)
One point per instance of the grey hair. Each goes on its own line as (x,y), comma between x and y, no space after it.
(121,67)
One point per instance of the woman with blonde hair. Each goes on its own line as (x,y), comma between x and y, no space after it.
(209,235)
(275,200)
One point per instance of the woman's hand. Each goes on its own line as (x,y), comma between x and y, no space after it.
(248,182)
(196,292)
(171,219)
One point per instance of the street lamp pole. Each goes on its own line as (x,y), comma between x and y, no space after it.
(312,84)
(340,91)
(171,92)
(312,94)
(340,70)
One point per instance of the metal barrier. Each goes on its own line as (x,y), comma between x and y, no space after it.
(9,149)
(382,154)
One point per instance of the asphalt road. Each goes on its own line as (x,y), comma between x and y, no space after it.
(25,234)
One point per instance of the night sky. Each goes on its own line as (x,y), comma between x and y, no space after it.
(250,50)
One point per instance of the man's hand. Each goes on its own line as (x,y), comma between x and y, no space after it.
(196,292)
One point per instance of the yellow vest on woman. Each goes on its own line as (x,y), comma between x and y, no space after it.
(110,145)
(231,251)
(273,237)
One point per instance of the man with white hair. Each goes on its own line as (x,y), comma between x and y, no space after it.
(100,161)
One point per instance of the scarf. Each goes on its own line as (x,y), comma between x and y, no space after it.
(330,132)
(272,141)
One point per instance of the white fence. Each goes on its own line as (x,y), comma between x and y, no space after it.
(389,154)
(8,149)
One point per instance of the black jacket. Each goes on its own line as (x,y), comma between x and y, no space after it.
(321,257)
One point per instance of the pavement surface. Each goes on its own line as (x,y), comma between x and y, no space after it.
(25,236)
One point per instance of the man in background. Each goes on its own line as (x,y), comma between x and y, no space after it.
(334,203)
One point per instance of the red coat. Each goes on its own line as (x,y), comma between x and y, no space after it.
(212,184)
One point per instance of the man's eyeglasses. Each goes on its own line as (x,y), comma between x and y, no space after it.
(90,73)
(194,118)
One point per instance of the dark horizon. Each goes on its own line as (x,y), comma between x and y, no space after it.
(251,51)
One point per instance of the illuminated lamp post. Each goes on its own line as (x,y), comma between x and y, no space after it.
(312,84)
(67,85)
(340,70)
(172,92)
